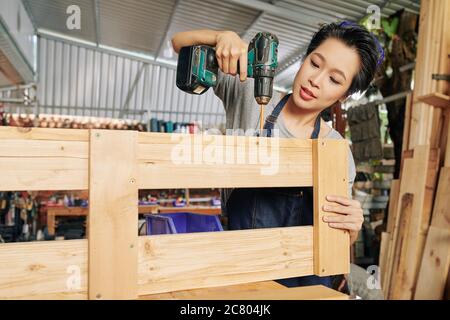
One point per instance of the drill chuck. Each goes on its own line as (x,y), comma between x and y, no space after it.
(263,89)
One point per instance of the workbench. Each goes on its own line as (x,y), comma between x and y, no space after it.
(54,212)
(115,263)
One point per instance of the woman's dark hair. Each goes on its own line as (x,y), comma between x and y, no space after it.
(359,38)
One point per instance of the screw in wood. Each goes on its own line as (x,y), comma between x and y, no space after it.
(98,296)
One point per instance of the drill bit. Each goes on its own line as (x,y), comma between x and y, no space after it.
(261,117)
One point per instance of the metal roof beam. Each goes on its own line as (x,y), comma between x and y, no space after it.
(124,108)
(169,24)
(96,7)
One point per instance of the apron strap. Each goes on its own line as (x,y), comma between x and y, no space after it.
(273,117)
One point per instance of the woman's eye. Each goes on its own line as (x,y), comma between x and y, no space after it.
(334,80)
(315,65)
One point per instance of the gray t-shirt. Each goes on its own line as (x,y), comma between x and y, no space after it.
(242,112)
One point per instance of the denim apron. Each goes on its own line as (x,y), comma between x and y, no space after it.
(253,208)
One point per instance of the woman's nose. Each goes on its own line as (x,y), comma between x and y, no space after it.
(314,83)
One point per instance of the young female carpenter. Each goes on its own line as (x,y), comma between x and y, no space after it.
(341,59)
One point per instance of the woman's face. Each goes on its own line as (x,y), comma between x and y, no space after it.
(325,76)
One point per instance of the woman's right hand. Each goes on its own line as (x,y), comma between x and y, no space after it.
(231,50)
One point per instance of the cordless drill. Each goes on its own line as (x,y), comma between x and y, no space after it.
(197,68)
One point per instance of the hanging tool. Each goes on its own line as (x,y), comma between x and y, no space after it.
(197,68)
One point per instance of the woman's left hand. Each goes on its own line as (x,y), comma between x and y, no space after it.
(350,215)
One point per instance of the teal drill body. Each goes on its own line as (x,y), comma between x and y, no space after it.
(197,67)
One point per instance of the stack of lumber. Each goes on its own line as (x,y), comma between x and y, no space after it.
(415,249)
(70,121)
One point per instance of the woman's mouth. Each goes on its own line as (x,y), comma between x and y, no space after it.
(306,94)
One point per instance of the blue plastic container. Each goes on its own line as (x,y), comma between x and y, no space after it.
(181,222)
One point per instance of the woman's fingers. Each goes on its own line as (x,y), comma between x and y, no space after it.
(243,60)
(340,219)
(226,61)
(233,65)
(338,209)
(219,57)
(345,226)
(343,200)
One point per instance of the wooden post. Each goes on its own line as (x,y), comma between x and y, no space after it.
(330,177)
(113,216)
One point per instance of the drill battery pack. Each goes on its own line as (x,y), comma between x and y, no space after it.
(197,69)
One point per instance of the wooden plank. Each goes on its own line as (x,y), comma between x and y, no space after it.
(29,164)
(43,148)
(393,204)
(45,173)
(419,179)
(193,209)
(331,246)
(244,287)
(432,277)
(200,260)
(384,247)
(420,74)
(394,223)
(441,210)
(447,142)
(436,99)
(444,62)
(444,139)
(407,122)
(18,133)
(44,270)
(427,63)
(113,218)
(405,217)
(299,293)
(40,270)
(202,161)
(436,128)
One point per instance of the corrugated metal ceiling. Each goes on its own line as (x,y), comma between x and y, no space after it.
(147,26)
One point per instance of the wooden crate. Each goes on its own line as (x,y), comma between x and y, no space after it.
(114,262)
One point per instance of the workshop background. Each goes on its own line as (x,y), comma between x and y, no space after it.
(118,69)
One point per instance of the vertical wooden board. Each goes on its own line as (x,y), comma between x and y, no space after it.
(447,139)
(405,213)
(436,128)
(407,121)
(330,177)
(419,179)
(444,62)
(393,203)
(384,246)
(113,215)
(441,210)
(427,63)
(435,264)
